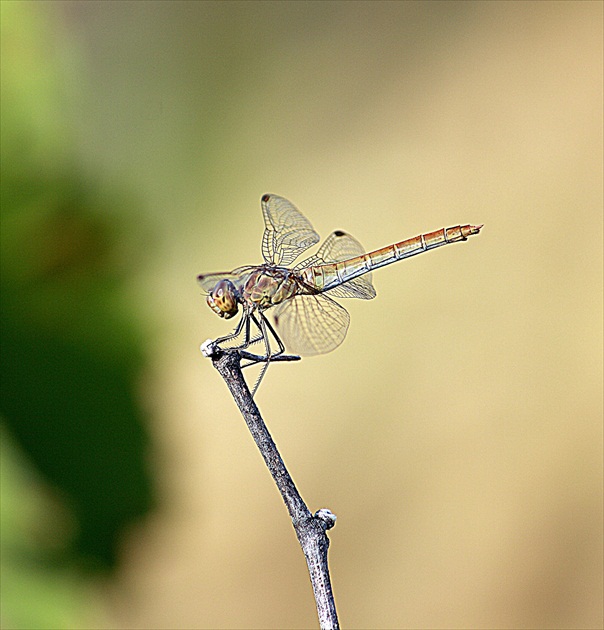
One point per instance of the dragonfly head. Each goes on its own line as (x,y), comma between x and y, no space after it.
(223,299)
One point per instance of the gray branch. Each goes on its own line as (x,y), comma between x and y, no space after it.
(310,529)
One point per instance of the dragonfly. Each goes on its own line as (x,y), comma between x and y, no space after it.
(307,320)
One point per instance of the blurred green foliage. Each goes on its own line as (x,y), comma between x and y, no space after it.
(36,592)
(71,346)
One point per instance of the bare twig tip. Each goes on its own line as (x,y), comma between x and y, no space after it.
(208,348)
(327,517)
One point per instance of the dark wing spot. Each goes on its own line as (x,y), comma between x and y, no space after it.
(339,233)
(265,198)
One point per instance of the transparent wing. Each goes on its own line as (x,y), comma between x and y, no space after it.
(287,231)
(311,324)
(208,281)
(337,247)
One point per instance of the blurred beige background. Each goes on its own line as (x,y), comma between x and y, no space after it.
(457,433)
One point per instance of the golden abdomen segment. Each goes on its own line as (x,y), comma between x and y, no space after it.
(268,286)
(328,276)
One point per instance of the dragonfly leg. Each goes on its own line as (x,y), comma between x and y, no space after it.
(263,327)
(270,356)
(243,321)
(255,358)
(247,341)
(259,337)
(249,356)
(265,330)
(278,355)
(275,336)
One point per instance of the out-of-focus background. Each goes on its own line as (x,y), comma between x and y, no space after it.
(457,433)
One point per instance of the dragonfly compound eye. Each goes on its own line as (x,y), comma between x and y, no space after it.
(223,300)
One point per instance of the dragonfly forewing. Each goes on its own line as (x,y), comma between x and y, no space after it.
(207,281)
(287,231)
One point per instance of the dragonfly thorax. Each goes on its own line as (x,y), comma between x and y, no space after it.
(267,286)
(223,299)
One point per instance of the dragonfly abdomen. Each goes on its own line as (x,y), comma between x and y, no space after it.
(328,276)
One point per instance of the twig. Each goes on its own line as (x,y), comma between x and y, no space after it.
(310,529)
